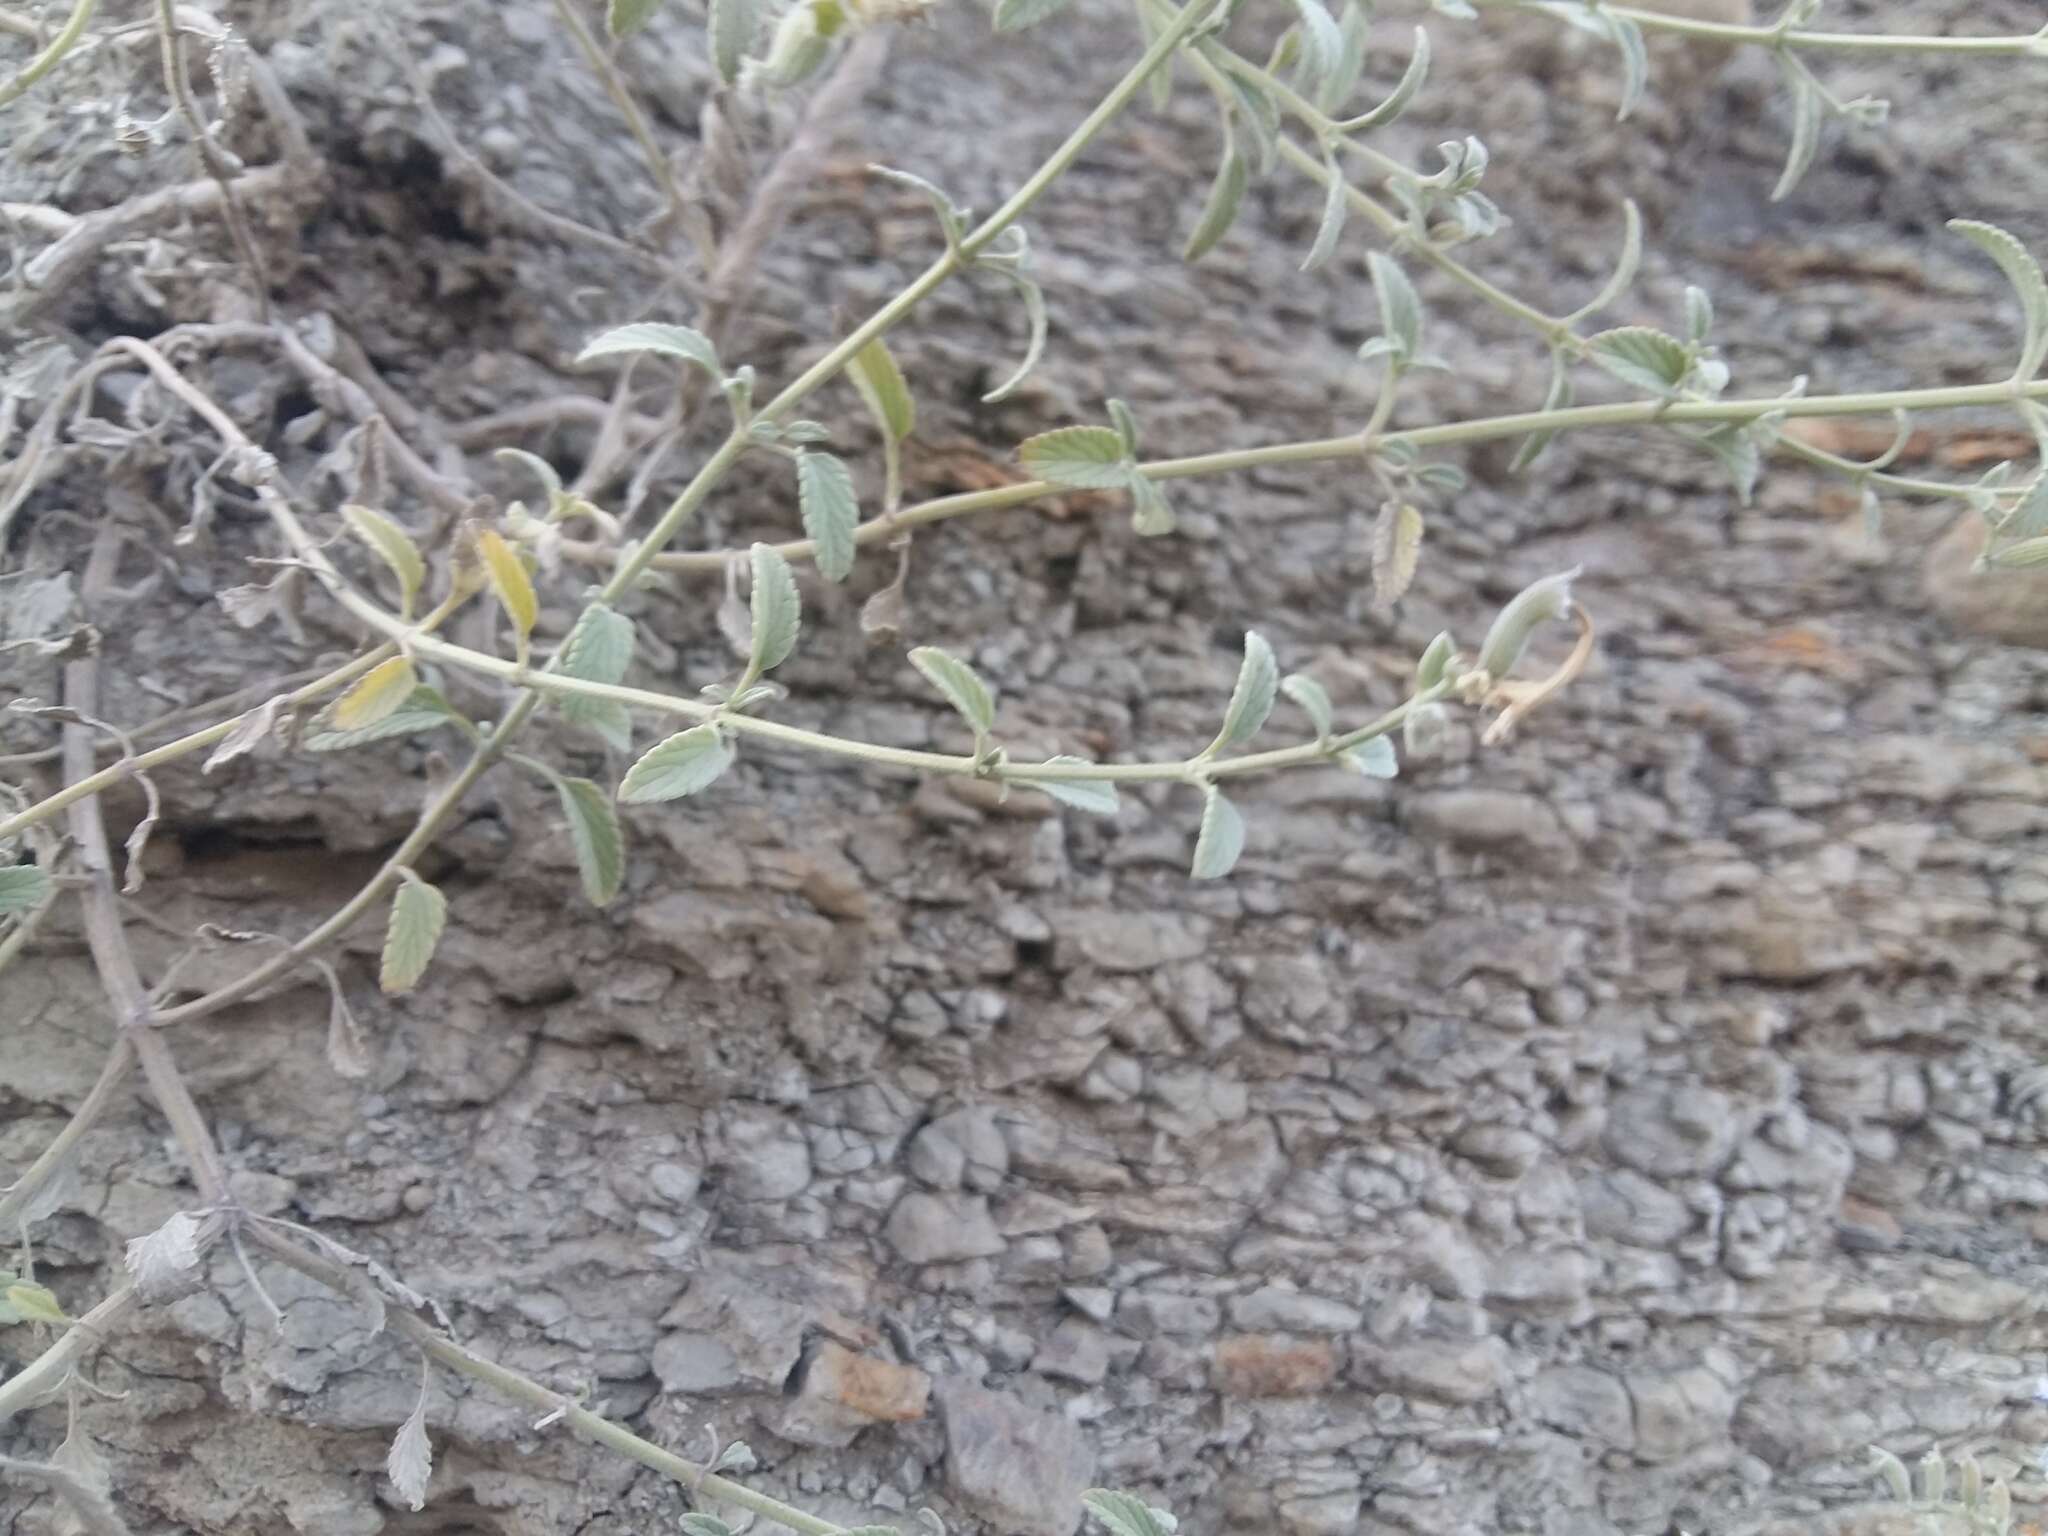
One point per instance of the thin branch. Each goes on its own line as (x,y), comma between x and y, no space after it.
(179,84)
(2030,45)
(52,55)
(119,1064)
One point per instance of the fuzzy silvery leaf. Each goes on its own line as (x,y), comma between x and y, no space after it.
(1088,458)
(1627,37)
(798,434)
(1893,1471)
(1336,209)
(1095,796)
(1434,662)
(2024,273)
(1699,314)
(1035,329)
(1538,603)
(410,1462)
(1219,211)
(1322,41)
(251,730)
(535,465)
(600,843)
(1159,84)
(1122,1514)
(1403,93)
(1251,699)
(1151,513)
(800,43)
(598,650)
(423,710)
(777,612)
(1969,1480)
(1312,697)
(1015,15)
(653,336)
(623,18)
(1736,450)
(1625,267)
(697,1523)
(1256,112)
(165,1262)
(1396,551)
(952,217)
(738,389)
(831,512)
(376,697)
(2030,518)
(682,765)
(736,1457)
(1639,356)
(1557,398)
(1809,113)
(1126,424)
(2025,555)
(732,33)
(1457,9)
(1221,839)
(23,888)
(1708,375)
(1447,478)
(1374,758)
(393,545)
(1425,729)
(1400,308)
(1933,1477)
(882,387)
(961,685)
(419,912)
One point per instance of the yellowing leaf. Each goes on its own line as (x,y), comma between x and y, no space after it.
(393,545)
(514,588)
(1396,548)
(418,914)
(377,696)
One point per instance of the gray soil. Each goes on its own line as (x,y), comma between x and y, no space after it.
(1614,1132)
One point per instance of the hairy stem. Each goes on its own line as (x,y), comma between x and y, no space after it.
(66,39)
(2032,45)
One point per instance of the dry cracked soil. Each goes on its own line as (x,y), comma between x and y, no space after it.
(1609,1133)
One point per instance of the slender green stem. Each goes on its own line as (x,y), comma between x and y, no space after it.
(636,121)
(39,66)
(2031,45)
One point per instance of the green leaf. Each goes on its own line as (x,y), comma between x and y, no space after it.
(1322,41)
(1312,697)
(1221,839)
(1258,680)
(1642,357)
(2024,273)
(961,685)
(1159,85)
(1699,314)
(376,696)
(424,710)
(1355,23)
(418,914)
(732,32)
(697,1523)
(1095,796)
(1123,1514)
(1374,757)
(952,217)
(23,888)
(1537,603)
(394,546)
(881,385)
(652,336)
(1126,426)
(1400,308)
(1740,456)
(1434,662)
(1625,267)
(1090,458)
(1557,398)
(625,17)
(1258,114)
(1151,513)
(1809,112)
(600,842)
(35,1304)
(1336,209)
(1226,194)
(2024,555)
(685,763)
(831,512)
(598,650)
(777,610)
(1627,36)
(1015,15)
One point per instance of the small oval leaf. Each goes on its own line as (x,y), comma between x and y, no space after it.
(682,765)
(1088,458)
(418,914)
(777,612)
(831,512)
(652,336)
(1095,796)
(600,843)
(1221,839)
(1258,680)
(1226,194)
(510,583)
(1396,549)
(1642,357)
(598,650)
(23,888)
(961,685)
(1312,697)
(881,384)
(1374,758)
